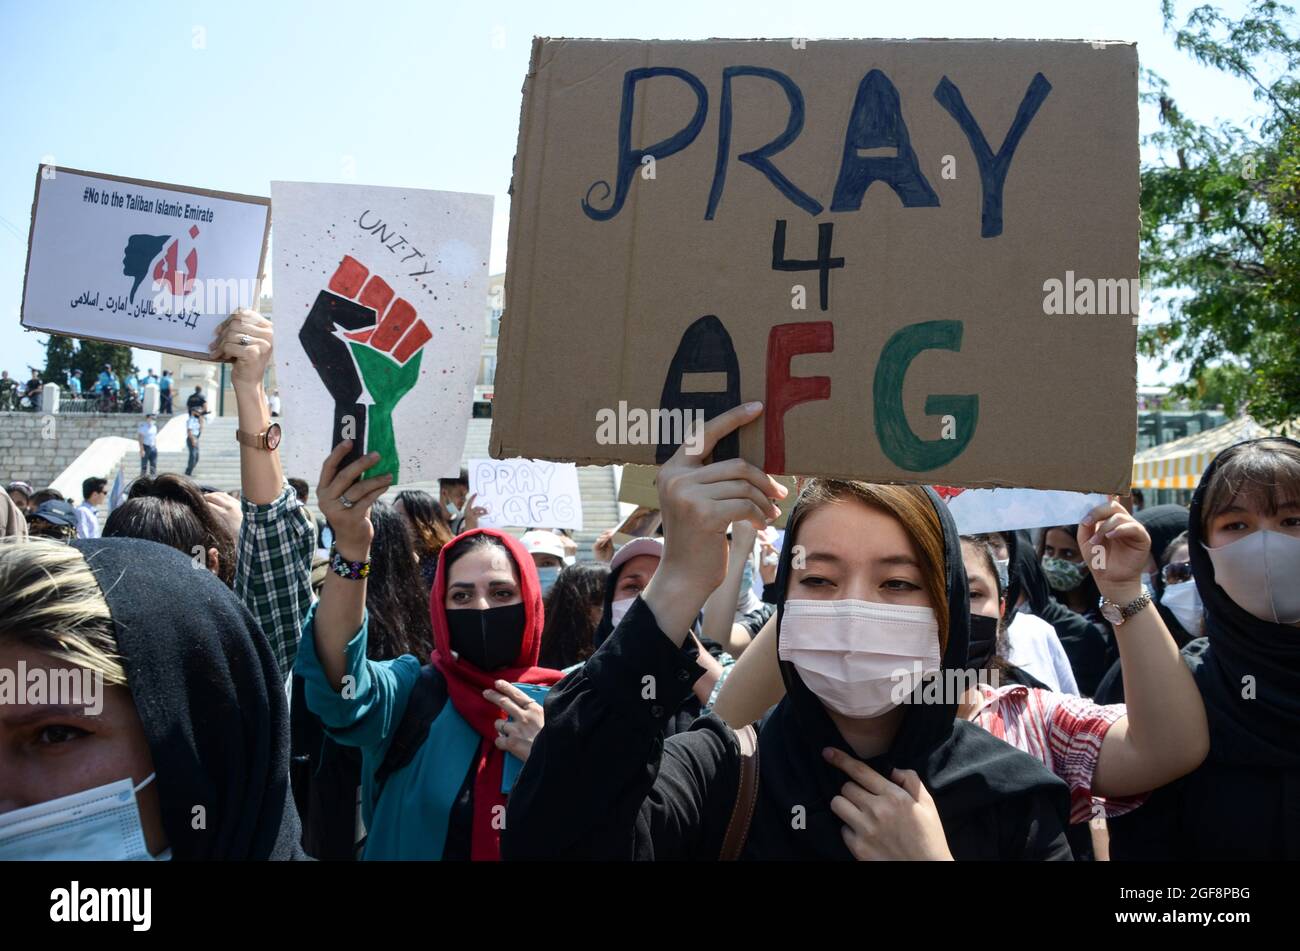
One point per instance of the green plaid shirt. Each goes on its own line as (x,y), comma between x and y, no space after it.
(273,570)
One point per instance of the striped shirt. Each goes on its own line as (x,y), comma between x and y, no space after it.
(1063,732)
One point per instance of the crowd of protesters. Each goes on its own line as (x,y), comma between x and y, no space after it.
(337,675)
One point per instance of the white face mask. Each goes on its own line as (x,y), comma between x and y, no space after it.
(1185,602)
(1261,573)
(860,658)
(619,608)
(100,824)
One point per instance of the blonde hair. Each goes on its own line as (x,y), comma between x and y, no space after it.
(911,506)
(51,602)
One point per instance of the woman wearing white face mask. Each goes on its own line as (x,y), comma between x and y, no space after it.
(180,713)
(1180,596)
(844,770)
(630,571)
(1095,749)
(1244,550)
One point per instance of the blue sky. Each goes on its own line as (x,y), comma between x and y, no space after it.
(231,95)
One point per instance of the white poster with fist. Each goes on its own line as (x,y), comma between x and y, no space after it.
(380,311)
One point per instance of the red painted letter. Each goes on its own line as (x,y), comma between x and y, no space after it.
(784,391)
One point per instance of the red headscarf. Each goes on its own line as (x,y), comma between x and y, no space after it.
(466,683)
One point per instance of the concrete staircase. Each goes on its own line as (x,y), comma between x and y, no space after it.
(219,467)
(218,460)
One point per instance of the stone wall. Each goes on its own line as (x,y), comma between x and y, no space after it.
(35,447)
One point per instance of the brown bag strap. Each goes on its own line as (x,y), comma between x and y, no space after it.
(746,796)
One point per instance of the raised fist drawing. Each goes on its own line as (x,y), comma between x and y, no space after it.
(366,347)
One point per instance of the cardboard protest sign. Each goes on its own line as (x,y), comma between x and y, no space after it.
(1003,510)
(526,493)
(642,523)
(380,301)
(638,488)
(140,263)
(875,238)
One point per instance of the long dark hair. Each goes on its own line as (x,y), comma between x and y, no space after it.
(567,636)
(171,509)
(396,603)
(428,522)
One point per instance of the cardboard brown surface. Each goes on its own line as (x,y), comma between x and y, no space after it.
(637,487)
(1056,393)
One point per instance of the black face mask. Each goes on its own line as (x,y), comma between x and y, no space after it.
(983,642)
(489,639)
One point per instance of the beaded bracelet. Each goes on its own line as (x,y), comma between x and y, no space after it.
(353,570)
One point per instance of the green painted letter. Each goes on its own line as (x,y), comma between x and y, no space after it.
(899,442)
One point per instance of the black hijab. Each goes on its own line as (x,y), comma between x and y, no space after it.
(210,698)
(1163,523)
(964,767)
(1246,654)
(1024,573)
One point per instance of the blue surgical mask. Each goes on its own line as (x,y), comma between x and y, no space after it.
(547,577)
(1004,571)
(100,824)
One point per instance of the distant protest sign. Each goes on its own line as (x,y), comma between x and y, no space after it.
(140,263)
(1002,510)
(637,487)
(526,493)
(380,309)
(875,238)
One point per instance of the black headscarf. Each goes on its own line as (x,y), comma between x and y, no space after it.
(210,698)
(1262,728)
(1024,573)
(964,767)
(1164,523)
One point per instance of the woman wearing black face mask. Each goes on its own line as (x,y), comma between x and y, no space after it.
(1110,757)
(436,750)
(1244,547)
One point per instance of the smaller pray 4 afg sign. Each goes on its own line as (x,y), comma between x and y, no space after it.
(140,263)
(526,493)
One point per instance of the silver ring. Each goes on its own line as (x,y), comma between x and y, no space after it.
(501,727)
(347,502)
(245,340)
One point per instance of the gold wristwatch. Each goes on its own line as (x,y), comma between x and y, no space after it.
(267,440)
